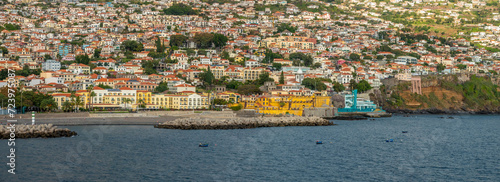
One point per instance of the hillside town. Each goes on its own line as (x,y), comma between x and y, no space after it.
(277,57)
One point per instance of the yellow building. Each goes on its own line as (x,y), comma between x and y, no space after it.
(180,101)
(60,98)
(161,101)
(288,42)
(229,96)
(143,96)
(120,100)
(250,73)
(239,59)
(277,105)
(218,71)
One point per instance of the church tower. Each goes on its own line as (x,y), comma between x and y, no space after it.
(299,76)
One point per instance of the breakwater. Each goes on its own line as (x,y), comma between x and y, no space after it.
(242,123)
(35,131)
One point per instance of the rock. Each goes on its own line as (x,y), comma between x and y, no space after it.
(241,123)
(36,131)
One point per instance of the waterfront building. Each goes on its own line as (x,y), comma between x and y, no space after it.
(285,104)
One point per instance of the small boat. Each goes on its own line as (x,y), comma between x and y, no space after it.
(405,131)
(319,142)
(203,145)
(390,140)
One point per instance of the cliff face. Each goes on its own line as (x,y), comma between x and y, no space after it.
(477,96)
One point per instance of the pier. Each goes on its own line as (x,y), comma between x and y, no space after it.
(242,123)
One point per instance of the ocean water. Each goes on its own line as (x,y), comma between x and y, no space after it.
(465,148)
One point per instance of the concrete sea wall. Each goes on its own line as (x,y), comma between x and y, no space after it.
(242,123)
(35,131)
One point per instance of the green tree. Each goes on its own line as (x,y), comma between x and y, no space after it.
(11,27)
(48,104)
(160,47)
(132,45)
(354,57)
(207,77)
(440,67)
(338,87)
(83,59)
(126,101)
(249,89)
(316,65)
(282,78)
(363,86)
(308,60)
(4,50)
(177,40)
(270,56)
(97,53)
(286,26)
(314,84)
(233,84)
(66,105)
(219,40)
(219,102)
(203,40)
(461,66)
(277,66)
(353,84)
(263,77)
(180,9)
(104,86)
(162,87)
(150,67)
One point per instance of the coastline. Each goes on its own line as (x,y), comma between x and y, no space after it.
(440,111)
(82,119)
(99,121)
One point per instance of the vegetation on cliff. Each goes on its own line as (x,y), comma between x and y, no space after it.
(477,94)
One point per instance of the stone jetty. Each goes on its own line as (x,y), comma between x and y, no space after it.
(241,123)
(35,131)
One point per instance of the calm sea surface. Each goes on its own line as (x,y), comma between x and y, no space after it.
(466,148)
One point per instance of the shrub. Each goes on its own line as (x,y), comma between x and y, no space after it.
(236,108)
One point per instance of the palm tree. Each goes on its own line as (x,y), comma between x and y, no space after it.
(72,97)
(49,104)
(142,104)
(90,90)
(78,102)
(126,101)
(92,95)
(66,105)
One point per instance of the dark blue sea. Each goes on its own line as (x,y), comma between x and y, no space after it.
(466,148)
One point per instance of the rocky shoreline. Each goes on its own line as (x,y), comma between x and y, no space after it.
(35,131)
(242,123)
(440,111)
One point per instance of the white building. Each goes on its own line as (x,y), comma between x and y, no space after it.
(51,65)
